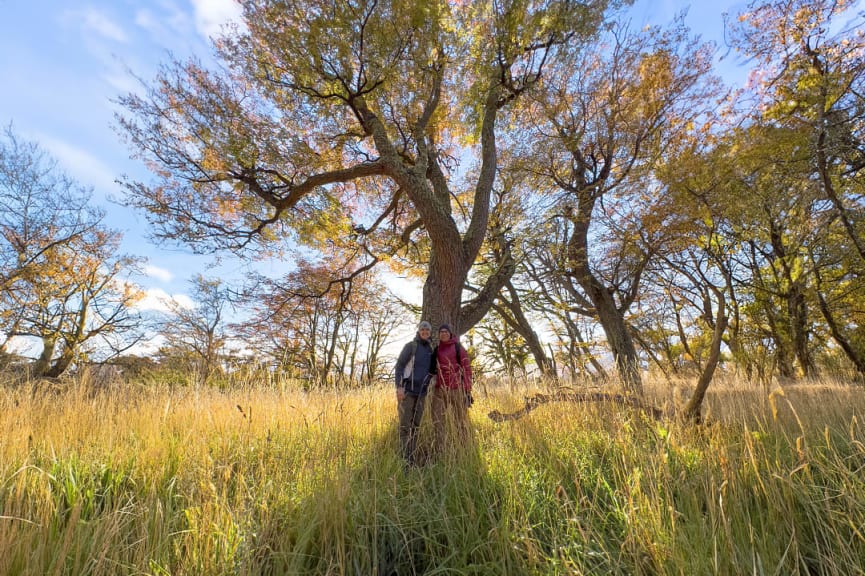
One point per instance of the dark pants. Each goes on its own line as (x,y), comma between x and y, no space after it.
(410,414)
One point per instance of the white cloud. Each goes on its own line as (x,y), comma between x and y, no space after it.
(145,19)
(158,273)
(166,26)
(122,82)
(147,347)
(157,300)
(210,15)
(84,166)
(98,22)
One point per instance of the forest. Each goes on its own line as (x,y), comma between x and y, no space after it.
(578,198)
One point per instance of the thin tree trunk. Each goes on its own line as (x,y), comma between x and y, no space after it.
(62,363)
(42,364)
(518,321)
(799,329)
(837,333)
(693,409)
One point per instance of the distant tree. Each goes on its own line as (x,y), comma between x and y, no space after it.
(543,287)
(503,345)
(198,333)
(379,318)
(321,330)
(62,278)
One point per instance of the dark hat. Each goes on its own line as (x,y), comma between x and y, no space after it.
(446,327)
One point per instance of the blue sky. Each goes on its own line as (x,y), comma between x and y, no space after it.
(64,62)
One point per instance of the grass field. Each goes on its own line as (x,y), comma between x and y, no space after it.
(143,480)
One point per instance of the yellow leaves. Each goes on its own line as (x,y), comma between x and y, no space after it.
(212,160)
(656,69)
(322,221)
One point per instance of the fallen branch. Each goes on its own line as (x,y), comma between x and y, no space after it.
(536,400)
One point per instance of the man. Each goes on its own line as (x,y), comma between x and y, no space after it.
(412,374)
(453,390)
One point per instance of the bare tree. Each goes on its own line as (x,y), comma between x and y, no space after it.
(199,332)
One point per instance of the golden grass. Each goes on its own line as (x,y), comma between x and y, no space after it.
(150,480)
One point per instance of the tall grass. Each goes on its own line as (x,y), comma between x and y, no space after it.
(150,480)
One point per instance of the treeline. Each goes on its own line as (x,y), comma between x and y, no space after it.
(67,292)
(583,197)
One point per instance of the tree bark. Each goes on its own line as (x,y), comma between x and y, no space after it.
(693,409)
(442,290)
(62,363)
(452,254)
(798,309)
(609,316)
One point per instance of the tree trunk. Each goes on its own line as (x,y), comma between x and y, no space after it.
(442,291)
(799,329)
(42,364)
(693,409)
(783,354)
(61,364)
(518,321)
(620,341)
(824,169)
(452,253)
(838,335)
(612,320)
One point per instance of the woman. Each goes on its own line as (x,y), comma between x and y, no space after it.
(412,375)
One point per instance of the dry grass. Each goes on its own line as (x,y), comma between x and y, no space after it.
(150,480)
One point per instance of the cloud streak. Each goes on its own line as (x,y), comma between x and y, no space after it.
(101,24)
(84,166)
(210,15)
(158,273)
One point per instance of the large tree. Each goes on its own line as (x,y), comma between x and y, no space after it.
(601,130)
(80,302)
(811,57)
(370,121)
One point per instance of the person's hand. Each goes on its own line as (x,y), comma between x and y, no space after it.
(400,394)
(469,399)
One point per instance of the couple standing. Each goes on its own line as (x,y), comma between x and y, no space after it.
(418,362)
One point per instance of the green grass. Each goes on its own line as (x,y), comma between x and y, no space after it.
(179,481)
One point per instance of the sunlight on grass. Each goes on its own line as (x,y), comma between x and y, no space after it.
(157,480)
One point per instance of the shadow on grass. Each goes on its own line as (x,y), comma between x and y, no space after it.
(369,515)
